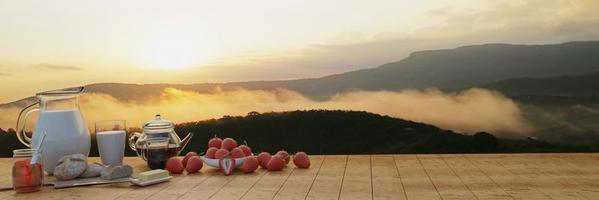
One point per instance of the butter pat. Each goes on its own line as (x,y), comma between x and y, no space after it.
(152,174)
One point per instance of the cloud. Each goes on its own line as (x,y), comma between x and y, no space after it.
(519,22)
(468,111)
(59,67)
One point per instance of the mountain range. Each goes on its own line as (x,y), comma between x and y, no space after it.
(557,85)
(508,68)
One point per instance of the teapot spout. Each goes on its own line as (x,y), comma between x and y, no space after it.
(184,141)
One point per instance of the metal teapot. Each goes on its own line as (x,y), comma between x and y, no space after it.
(157,129)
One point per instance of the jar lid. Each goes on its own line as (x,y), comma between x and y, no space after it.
(159,123)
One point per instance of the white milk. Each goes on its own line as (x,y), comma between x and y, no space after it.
(111,146)
(66,134)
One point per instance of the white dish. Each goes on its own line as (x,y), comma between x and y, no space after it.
(214,162)
(146,183)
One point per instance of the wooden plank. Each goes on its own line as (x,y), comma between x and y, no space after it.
(240,185)
(386,182)
(568,178)
(447,183)
(357,180)
(181,186)
(532,169)
(511,183)
(327,184)
(269,184)
(473,178)
(209,187)
(417,184)
(300,181)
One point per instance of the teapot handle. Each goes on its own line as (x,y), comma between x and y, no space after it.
(132,139)
(184,142)
(23,138)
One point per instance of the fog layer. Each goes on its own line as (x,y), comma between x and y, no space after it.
(467,111)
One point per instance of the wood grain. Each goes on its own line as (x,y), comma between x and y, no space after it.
(433,176)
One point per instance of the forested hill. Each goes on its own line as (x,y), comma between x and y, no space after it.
(352,132)
(335,132)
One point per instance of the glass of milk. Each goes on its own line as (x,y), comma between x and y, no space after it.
(111,135)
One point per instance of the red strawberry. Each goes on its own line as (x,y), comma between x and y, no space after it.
(210,153)
(237,153)
(263,159)
(276,163)
(246,149)
(221,153)
(215,142)
(226,166)
(187,156)
(229,144)
(285,155)
(301,160)
(194,164)
(174,165)
(250,164)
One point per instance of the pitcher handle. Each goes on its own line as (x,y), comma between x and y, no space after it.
(133,139)
(23,138)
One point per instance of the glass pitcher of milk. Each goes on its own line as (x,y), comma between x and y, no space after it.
(62,122)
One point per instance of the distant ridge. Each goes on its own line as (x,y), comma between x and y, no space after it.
(457,68)
(584,86)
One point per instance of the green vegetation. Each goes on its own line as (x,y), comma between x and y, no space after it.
(352,132)
(336,132)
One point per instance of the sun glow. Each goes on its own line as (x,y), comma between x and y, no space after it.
(179,50)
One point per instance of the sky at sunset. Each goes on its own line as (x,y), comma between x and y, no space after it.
(54,44)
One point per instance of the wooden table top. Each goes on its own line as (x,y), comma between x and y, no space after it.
(446,176)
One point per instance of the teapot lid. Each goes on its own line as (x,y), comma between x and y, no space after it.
(158,123)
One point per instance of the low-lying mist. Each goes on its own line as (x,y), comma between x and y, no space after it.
(467,111)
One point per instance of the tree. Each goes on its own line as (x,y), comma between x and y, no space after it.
(484,142)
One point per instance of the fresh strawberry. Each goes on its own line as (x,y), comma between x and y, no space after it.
(250,164)
(229,144)
(263,159)
(174,165)
(221,153)
(215,142)
(301,160)
(194,164)
(276,163)
(187,156)
(246,149)
(285,155)
(237,153)
(211,152)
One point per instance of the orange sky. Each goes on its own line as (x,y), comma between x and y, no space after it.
(54,44)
